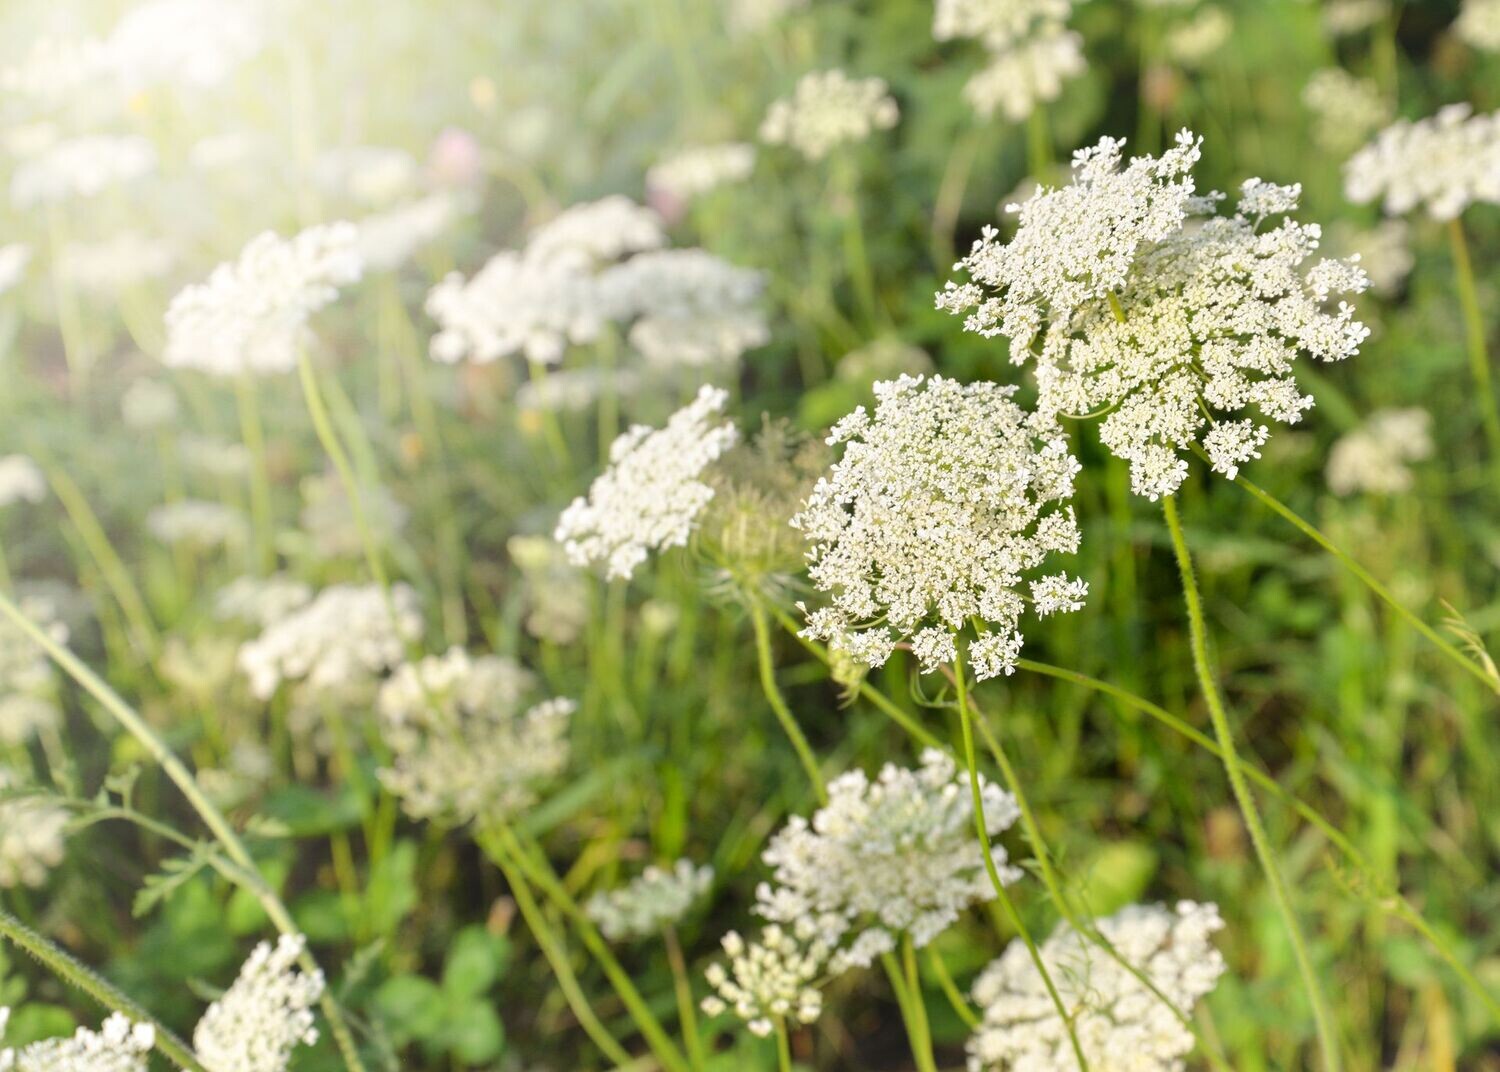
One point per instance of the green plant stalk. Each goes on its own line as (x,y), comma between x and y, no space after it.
(106,560)
(553,950)
(157,749)
(1453,654)
(783,1047)
(1479,361)
(1198,631)
(856,256)
(926,1062)
(687,1012)
(540,874)
(76,975)
(252,431)
(911,1018)
(778,702)
(1038,143)
(551,426)
(965,717)
(950,989)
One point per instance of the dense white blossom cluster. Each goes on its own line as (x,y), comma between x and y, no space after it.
(1193,42)
(28,681)
(772,979)
(344,635)
(1346,109)
(595,233)
(1342,18)
(1172,331)
(84,166)
(250,316)
(573,390)
(829,109)
(514,305)
(651,493)
(695,171)
(32,835)
(1032,52)
(1384,252)
(1478,24)
(21,480)
(1122,1026)
(997,23)
(1374,457)
(686,307)
(944,499)
(464,745)
(265,1015)
(261,601)
(118,1046)
(197,522)
(116,263)
(193,44)
(894,856)
(1443,163)
(658,898)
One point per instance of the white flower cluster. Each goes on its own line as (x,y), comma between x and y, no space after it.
(148,405)
(773,979)
(21,480)
(251,314)
(370,175)
(1342,18)
(28,681)
(829,109)
(595,233)
(1120,1023)
(555,591)
(118,1046)
(32,835)
(689,307)
(1444,163)
(1374,457)
(752,16)
(695,171)
(112,265)
(1384,252)
(1478,24)
(84,166)
(1170,330)
(651,493)
(885,858)
(463,747)
(1346,109)
(389,239)
(1032,52)
(198,523)
(267,1012)
(194,44)
(342,637)
(574,390)
(1192,43)
(261,601)
(14,258)
(944,499)
(657,899)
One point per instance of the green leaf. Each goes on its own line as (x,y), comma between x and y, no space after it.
(474,1033)
(392,889)
(175,873)
(475,961)
(411,1006)
(305,812)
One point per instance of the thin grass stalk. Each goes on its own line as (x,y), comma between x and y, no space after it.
(926,1061)
(1479,361)
(783,1047)
(950,989)
(252,431)
(1198,631)
(778,702)
(687,1011)
(911,1018)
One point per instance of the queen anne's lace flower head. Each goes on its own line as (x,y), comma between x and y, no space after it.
(28,682)
(772,979)
(829,109)
(85,166)
(1171,331)
(1444,163)
(594,233)
(148,405)
(342,637)
(261,601)
(251,314)
(32,835)
(265,1015)
(1026,74)
(1193,42)
(1478,24)
(693,172)
(514,305)
(21,480)
(999,24)
(1374,457)
(193,44)
(464,746)
(1346,109)
(897,855)
(1120,1023)
(197,522)
(651,493)
(945,498)
(688,306)
(118,1046)
(658,899)
(389,239)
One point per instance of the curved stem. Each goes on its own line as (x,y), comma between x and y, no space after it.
(1453,654)
(1198,631)
(965,717)
(950,990)
(76,975)
(157,749)
(1479,362)
(778,702)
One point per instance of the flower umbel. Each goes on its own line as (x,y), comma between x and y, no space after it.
(773,979)
(257,1023)
(659,898)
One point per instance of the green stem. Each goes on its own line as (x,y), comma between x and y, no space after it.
(783,1047)
(856,257)
(950,989)
(76,975)
(1479,361)
(966,720)
(157,749)
(1445,646)
(919,1027)
(1198,631)
(1038,143)
(252,430)
(778,703)
(687,1010)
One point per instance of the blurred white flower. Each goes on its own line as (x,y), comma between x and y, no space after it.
(197,522)
(250,316)
(884,858)
(117,263)
(689,307)
(595,233)
(752,16)
(464,746)
(573,390)
(261,601)
(32,835)
(944,499)
(389,239)
(118,1046)
(651,494)
(999,24)
(1373,458)
(555,590)
(13,260)
(21,480)
(1341,18)
(84,166)
(55,68)
(148,405)
(1120,1023)
(1027,73)
(345,634)
(1346,109)
(264,1015)
(1443,163)
(222,459)
(1384,252)
(514,305)
(773,979)
(188,44)
(329,522)
(371,176)
(1478,24)
(657,899)
(1193,42)
(692,172)
(829,109)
